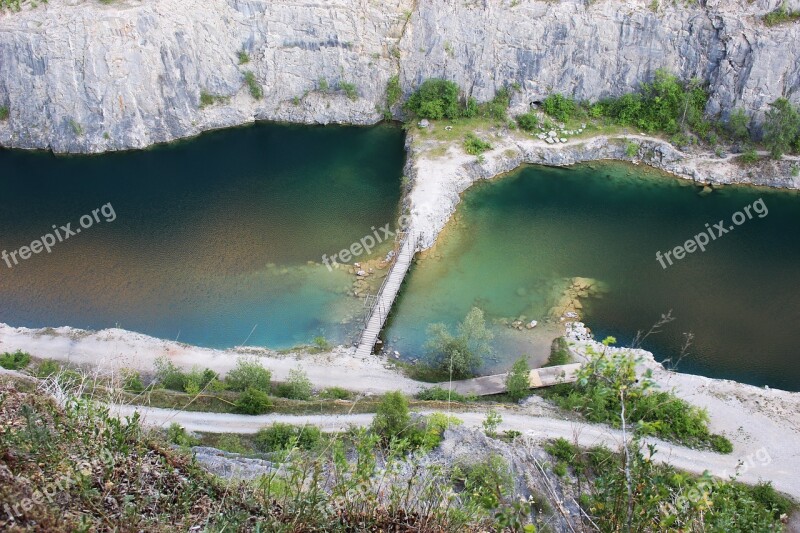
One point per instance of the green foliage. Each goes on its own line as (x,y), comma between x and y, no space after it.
(517,381)
(720,444)
(230,442)
(563,450)
(207,99)
(243,56)
(46,368)
(496,108)
(656,413)
(132,381)
(176,434)
(253,86)
(247,373)
(430,436)
(168,375)
(3,113)
(15,361)
(560,107)
(491,423)
(296,387)
(781,127)
(749,156)
(486,482)
(335,393)
(631,149)
(349,89)
(321,344)
(528,122)
(393,91)
(474,145)
(253,402)
(323,85)
(280,436)
(435,99)
(440,395)
(77,129)
(559,353)
(392,418)
(665,105)
(737,125)
(459,355)
(781,15)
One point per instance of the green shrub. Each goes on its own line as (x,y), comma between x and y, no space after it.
(335,393)
(492,422)
(349,89)
(296,387)
(435,99)
(321,344)
(460,355)
(132,381)
(559,353)
(560,469)
(280,436)
(253,402)
(176,434)
(243,56)
(440,394)
(323,85)
(474,145)
(486,482)
(496,108)
(518,380)
(528,122)
(631,149)
(560,107)
(749,156)
(392,418)
(781,15)
(720,444)
(46,368)
(15,361)
(253,86)
(393,91)
(781,127)
(230,443)
(737,125)
(433,431)
(247,373)
(3,113)
(197,380)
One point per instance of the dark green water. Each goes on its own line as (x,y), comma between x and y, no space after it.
(514,237)
(212,235)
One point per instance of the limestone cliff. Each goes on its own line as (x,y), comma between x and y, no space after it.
(83,76)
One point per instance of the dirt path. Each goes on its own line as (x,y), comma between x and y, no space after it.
(756,467)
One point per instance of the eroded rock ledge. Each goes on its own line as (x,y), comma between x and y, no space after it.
(82,76)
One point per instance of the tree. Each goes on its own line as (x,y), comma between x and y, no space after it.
(392,418)
(737,125)
(248,373)
(435,99)
(781,127)
(517,381)
(460,355)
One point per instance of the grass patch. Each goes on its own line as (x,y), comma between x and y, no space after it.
(253,86)
(3,113)
(243,57)
(207,99)
(474,145)
(349,89)
(782,15)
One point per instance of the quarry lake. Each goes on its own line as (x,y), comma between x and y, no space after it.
(218,242)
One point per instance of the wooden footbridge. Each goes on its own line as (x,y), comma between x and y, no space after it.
(379,306)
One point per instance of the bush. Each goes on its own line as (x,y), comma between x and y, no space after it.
(296,387)
(335,393)
(46,368)
(440,395)
(132,381)
(518,384)
(435,99)
(474,145)
(280,436)
(492,422)
(631,149)
(528,122)
(243,56)
(560,107)
(15,361)
(559,353)
(434,426)
(749,156)
(349,89)
(721,444)
(253,402)
(393,91)
(253,86)
(321,344)
(487,481)
(737,125)
(230,443)
(781,15)
(497,106)
(392,418)
(248,372)
(176,434)
(3,113)
(169,375)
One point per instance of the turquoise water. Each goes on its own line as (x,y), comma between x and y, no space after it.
(515,240)
(212,236)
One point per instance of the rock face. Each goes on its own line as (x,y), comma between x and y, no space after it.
(81,76)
